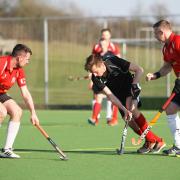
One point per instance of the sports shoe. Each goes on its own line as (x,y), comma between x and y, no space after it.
(147,147)
(93,122)
(112,122)
(8,153)
(178,154)
(172,151)
(158,146)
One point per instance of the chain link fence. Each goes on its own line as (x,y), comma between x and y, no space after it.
(60,46)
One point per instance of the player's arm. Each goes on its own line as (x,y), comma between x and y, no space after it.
(102,87)
(116,101)
(164,70)
(138,71)
(135,87)
(30,104)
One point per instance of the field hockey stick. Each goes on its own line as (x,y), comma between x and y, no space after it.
(153,121)
(78,78)
(44,133)
(120,151)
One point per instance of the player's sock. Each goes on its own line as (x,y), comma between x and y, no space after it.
(96,110)
(134,126)
(142,123)
(93,102)
(138,132)
(115,112)
(109,110)
(12,131)
(174,125)
(0,124)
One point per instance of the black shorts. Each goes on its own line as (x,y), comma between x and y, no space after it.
(4,98)
(176,99)
(123,95)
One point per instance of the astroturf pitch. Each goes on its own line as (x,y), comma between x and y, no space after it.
(91,151)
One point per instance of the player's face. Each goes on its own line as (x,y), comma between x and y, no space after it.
(106,35)
(23,59)
(99,69)
(159,34)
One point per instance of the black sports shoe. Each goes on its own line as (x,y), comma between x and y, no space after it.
(158,146)
(172,151)
(147,147)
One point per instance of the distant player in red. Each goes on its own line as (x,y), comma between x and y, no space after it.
(11,71)
(171,53)
(101,48)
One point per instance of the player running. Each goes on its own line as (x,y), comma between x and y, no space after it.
(171,53)
(111,75)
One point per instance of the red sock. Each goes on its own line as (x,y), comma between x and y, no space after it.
(115,112)
(96,110)
(142,123)
(138,132)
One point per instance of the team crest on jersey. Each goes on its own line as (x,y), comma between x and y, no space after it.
(13,80)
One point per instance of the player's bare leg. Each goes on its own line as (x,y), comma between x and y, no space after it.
(15,113)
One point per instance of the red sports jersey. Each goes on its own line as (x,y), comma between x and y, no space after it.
(7,77)
(112,47)
(171,53)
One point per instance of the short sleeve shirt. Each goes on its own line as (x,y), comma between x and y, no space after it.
(171,53)
(8,77)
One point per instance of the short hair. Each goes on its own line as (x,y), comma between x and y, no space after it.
(163,23)
(19,48)
(91,60)
(105,29)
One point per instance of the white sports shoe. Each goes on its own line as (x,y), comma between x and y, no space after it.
(8,153)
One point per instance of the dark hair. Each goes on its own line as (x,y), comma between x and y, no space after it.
(105,29)
(163,24)
(19,48)
(91,60)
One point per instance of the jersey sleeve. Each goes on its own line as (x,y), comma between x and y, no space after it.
(98,83)
(3,65)
(177,45)
(21,80)
(117,50)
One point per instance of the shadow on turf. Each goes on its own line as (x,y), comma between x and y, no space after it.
(101,152)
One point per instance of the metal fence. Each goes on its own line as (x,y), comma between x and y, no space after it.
(60,46)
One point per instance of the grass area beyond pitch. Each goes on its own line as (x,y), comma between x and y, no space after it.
(91,151)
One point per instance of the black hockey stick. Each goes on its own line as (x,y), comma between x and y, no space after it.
(120,151)
(78,78)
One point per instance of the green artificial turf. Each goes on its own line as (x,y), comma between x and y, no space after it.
(91,151)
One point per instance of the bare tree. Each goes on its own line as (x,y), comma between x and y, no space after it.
(159,11)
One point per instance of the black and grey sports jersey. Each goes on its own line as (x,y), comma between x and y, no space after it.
(118,78)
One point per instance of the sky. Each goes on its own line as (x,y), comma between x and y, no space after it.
(121,7)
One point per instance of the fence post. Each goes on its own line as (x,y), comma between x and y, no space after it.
(168,85)
(46,73)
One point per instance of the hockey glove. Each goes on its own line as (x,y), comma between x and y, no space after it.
(135,90)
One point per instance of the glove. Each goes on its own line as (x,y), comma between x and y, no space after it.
(176,88)
(135,91)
